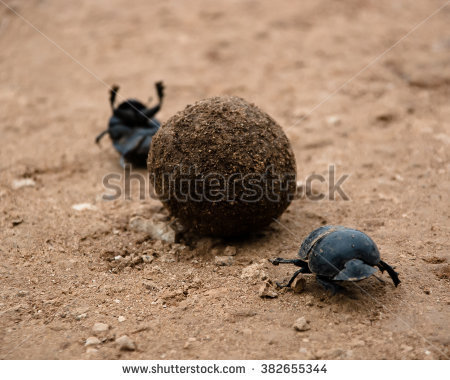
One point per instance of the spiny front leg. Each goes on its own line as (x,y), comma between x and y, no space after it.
(392,273)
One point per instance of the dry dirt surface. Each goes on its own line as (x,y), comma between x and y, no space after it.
(387,126)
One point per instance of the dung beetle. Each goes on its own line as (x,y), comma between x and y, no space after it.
(132,126)
(336,253)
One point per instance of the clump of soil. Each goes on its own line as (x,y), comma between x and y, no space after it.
(223,167)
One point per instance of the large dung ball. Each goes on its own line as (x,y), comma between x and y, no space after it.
(222,167)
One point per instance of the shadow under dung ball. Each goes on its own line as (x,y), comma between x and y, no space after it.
(222,167)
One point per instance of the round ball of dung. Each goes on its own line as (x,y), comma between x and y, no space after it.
(222,167)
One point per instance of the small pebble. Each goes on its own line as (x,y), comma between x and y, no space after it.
(155,229)
(92,341)
(91,350)
(301,324)
(357,343)
(100,327)
(247,331)
(385,116)
(406,348)
(189,343)
(333,120)
(16,222)
(24,182)
(299,285)
(125,343)
(223,260)
(266,291)
(254,271)
(81,316)
(121,318)
(147,259)
(230,251)
(84,206)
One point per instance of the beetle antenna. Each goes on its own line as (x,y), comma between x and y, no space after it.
(112,95)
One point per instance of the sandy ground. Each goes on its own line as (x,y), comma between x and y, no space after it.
(388,128)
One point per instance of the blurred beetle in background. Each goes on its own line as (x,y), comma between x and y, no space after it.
(132,126)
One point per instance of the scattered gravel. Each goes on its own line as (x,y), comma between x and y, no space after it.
(23,182)
(230,251)
(254,271)
(100,327)
(299,285)
(156,229)
(16,222)
(223,260)
(267,291)
(125,343)
(333,120)
(92,341)
(84,206)
(301,324)
(81,316)
(147,259)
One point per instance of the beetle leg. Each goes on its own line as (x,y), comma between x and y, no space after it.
(150,112)
(99,137)
(329,285)
(294,276)
(379,279)
(296,262)
(392,273)
(160,90)
(112,95)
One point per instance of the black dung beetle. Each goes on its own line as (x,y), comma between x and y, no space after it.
(336,253)
(132,126)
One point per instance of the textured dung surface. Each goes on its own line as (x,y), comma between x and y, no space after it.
(226,136)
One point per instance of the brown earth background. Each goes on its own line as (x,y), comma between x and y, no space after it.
(388,127)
